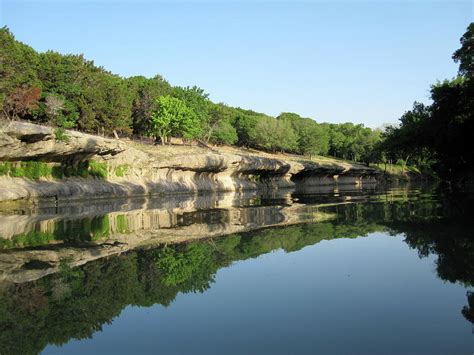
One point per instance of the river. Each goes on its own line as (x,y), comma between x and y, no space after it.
(330,271)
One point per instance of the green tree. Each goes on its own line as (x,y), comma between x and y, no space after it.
(173,117)
(144,91)
(272,134)
(197,100)
(312,138)
(224,133)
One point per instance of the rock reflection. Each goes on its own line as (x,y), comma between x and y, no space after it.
(68,287)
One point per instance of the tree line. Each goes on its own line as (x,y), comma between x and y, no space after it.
(437,136)
(69,91)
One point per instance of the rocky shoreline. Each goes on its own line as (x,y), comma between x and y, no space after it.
(146,170)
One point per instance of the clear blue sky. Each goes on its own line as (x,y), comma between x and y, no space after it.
(332,61)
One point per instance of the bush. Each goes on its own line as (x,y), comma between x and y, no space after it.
(36,169)
(98,169)
(28,169)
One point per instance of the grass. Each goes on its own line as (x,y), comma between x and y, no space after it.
(35,170)
(121,170)
(28,169)
(98,169)
(60,135)
(396,169)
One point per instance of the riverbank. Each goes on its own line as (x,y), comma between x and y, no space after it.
(37,163)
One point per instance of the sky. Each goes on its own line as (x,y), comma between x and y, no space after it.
(339,61)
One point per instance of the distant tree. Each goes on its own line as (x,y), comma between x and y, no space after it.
(224,133)
(172,117)
(144,91)
(218,117)
(245,122)
(312,138)
(272,134)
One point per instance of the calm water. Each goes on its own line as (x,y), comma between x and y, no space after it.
(330,271)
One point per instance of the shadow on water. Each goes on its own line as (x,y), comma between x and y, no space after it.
(75,302)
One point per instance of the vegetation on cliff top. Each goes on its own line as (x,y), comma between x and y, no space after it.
(69,91)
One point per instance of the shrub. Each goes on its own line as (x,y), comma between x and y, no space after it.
(5,168)
(60,135)
(36,169)
(98,169)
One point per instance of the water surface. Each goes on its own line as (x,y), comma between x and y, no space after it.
(341,271)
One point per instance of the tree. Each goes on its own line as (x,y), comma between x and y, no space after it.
(436,135)
(312,138)
(144,91)
(245,122)
(224,133)
(172,117)
(218,117)
(18,66)
(272,134)
(22,102)
(465,54)
(197,100)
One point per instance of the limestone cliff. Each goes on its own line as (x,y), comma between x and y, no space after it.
(147,170)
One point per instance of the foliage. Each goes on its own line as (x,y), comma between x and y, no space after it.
(121,170)
(224,133)
(33,238)
(144,92)
(189,262)
(313,138)
(22,102)
(37,169)
(60,135)
(122,224)
(272,134)
(69,91)
(27,169)
(173,118)
(5,168)
(435,136)
(98,169)
(464,55)
(218,125)
(198,104)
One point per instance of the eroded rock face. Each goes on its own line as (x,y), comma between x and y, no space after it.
(27,141)
(150,171)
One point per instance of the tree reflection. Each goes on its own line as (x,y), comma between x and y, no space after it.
(75,303)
